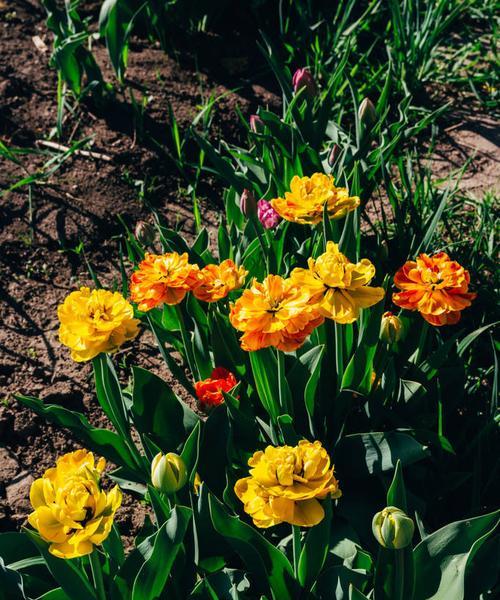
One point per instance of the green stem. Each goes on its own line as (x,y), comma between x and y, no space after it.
(400,575)
(339,354)
(421,342)
(281,378)
(95,566)
(187,343)
(296,549)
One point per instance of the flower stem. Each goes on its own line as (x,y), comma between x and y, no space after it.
(296,548)
(95,566)
(400,574)
(187,344)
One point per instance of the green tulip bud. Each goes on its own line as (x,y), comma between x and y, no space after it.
(367,113)
(393,528)
(145,233)
(168,473)
(391,328)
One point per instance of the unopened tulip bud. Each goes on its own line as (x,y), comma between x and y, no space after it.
(168,473)
(391,328)
(256,123)
(367,113)
(334,152)
(393,528)
(145,233)
(302,78)
(248,204)
(267,215)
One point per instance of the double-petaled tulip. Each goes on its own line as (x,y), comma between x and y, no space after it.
(71,512)
(286,484)
(436,286)
(391,328)
(209,391)
(95,321)
(216,281)
(338,287)
(267,215)
(248,203)
(393,528)
(168,473)
(303,80)
(276,312)
(163,279)
(308,197)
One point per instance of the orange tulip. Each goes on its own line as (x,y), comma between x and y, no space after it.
(216,281)
(436,286)
(276,312)
(209,391)
(163,279)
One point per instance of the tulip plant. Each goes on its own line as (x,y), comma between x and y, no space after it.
(309,450)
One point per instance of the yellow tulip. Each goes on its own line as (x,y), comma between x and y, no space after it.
(338,287)
(95,321)
(286,484)
(71,512)
(168,472)
(308,196)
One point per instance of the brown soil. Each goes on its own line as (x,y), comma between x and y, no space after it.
(81,202)
(38,266)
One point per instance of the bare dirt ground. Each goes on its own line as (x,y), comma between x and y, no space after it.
(38,265)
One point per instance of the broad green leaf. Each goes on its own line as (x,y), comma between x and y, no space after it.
(152,577)
(362,454)
(268,565)
(102,441)
(159,413)
(265,373)
(315,549)
(443,559)
(66,572)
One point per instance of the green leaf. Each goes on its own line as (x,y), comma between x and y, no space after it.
(265,372)
(268,566)
(12,581)
(102,441)
(358,373)
(363,454)
(66,572)
(152,577)
(159,413)
(109,393)
(315,549)
(443,559)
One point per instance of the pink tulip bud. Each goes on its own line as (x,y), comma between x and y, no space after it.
(248,204)
(256,123)
(334,152)
(267,215)
(302,78)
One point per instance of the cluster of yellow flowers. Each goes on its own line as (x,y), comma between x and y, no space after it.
(283,312)
(276,312)
(286,484)
(71,512)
